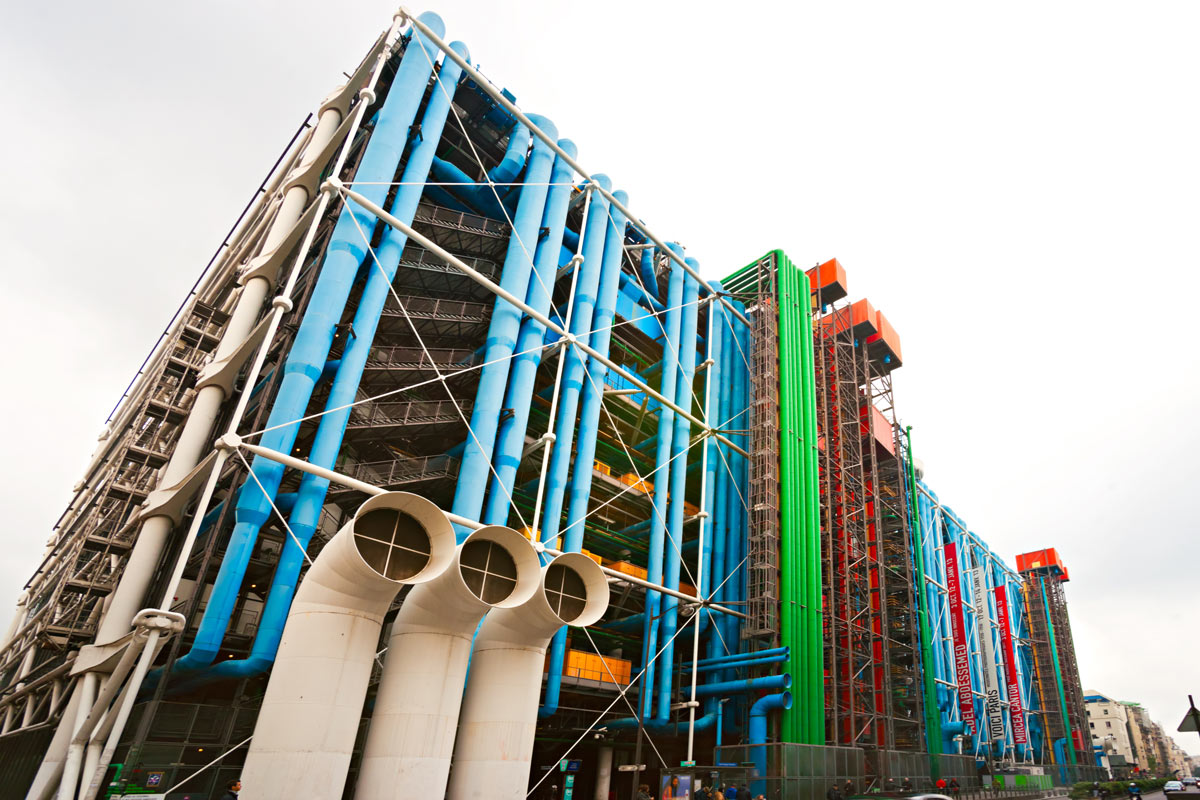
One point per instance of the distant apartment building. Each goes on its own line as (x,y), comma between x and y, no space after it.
(1112,735)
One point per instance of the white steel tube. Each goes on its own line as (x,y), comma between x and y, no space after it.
(411,738)
(114,725)
(305,732)
(499,715)
(281,305)
(550,324)
(604,758)
(706,521)
(74,760)
(483,83)
(130,595)
(45,783)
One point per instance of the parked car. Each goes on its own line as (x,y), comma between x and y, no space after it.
(1173,786)
(1189,781)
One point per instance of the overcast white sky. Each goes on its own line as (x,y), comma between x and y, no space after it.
(1015,185)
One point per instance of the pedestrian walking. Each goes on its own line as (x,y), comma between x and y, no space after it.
(231,789)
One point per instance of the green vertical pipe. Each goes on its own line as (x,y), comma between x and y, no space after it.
(799,537)
(933,720)
(791,578)
(813,522)
(1058,680)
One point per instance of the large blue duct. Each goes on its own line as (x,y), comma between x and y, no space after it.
(510,439)
(602,253)
(310,349)
(583,306)
(381,270)
(714,487)
(770,652)
(664,726)
(736,664)
(757,733)
(503,330)
(745,686)
(680,441)
(659,504)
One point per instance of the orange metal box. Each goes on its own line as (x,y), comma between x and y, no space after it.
(1040,559)
(830,278)
(885,342)
(864,318)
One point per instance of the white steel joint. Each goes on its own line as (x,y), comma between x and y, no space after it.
(229,442)
(283,303)
(367,95)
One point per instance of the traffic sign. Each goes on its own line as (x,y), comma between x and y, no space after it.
(687,763)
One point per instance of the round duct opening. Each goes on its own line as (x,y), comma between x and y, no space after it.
(565,592)
(392,543)
(488,570)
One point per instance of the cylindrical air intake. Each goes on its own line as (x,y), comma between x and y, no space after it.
(411,738)
(499,713)
(309,719)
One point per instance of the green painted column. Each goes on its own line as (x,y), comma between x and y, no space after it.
(933,720)
(1058,681)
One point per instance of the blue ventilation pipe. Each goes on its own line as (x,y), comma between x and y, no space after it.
(381,271)
(503,328)
(314,338)
(600,263)
(735,556)
(728,495)
(487,200)
(284,502)
(745,686)
(679,447)
(662,458)
(663,726)
(593,389)
(514,156)
(758,733)
(738,664)
(518,399)
(586,288)
(589,421)
(773,651)
(713,485)
(646,267)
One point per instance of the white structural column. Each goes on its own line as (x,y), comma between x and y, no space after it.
(130,594)
(139,572)
(604,758)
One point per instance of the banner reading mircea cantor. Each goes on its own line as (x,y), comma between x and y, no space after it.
(1016,711)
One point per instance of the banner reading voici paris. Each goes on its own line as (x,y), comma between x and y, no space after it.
(987,653)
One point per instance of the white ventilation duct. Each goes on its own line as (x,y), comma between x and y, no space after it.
(309,719)
(499,714)
(411,738)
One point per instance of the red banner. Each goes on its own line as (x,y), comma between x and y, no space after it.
(1015,710)
(962,655)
